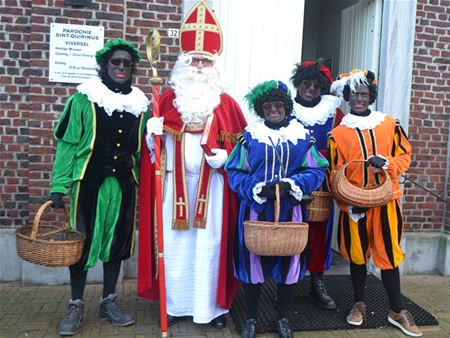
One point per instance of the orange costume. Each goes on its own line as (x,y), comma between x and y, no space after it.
(359,137)
(379,140)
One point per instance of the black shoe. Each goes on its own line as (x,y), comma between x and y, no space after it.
(283,329)
(171,320)
(71,323)
(110,310)
(249,329)
(319,293)
(219,322)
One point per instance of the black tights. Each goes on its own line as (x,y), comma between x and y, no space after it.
(391,282)
(390,279)
(78,276)
(77,282)
(253,291)
(358,274)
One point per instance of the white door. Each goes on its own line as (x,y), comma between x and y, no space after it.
(360,36)
(359,48)
(262,41)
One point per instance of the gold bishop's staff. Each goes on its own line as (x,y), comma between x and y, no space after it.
(153,49)
(153,43)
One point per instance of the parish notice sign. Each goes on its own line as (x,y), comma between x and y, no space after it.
(72,52)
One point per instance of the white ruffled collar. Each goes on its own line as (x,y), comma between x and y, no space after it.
(319,114)
(293,132)
(374,119)
(134,102)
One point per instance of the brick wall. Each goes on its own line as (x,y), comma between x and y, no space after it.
(15,27)
(31,105)
(430,118)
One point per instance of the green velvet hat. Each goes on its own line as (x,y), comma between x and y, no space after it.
(268,90)
(112,44)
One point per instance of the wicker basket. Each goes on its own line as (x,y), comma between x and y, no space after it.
(49,245)
(319,209)
(275,238)
(366,197)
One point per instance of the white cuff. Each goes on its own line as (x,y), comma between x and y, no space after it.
(295,189)
(386,164)
(355,217)
(256,190)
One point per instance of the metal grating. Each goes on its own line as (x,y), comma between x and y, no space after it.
(305,315)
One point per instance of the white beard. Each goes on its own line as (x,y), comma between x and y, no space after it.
(197,92)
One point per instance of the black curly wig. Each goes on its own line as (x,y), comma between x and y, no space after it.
(311,72)
(274,95)
(105,59)
(373,92)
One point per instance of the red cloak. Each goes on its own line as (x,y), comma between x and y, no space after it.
(227,123)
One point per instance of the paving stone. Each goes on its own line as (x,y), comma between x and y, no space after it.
(29,312)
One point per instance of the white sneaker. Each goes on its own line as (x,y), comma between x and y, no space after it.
(357,314)
(405,322)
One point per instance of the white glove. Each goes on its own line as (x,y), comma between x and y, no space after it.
(151,146)
(218,160)
(155,126)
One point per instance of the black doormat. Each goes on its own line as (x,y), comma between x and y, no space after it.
(305,315)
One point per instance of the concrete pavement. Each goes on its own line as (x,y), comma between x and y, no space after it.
(36,311)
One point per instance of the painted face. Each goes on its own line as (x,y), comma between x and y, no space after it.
(119,66)
(309,90)
(359,100)
(274,111)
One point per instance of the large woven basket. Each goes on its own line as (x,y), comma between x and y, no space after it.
(319,209)
(275,238)
(366,197)
(49,245)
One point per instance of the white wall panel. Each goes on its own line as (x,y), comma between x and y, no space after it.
(262,40)
(396,59)
(359,48)
(360,36)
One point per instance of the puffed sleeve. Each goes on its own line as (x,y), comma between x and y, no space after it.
(68,133)
(137,155)
(336,162)
(400,157)
(311,171)
(239,174)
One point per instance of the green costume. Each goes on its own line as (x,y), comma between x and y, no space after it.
(99,142)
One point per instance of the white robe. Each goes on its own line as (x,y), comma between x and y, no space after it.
(192,256)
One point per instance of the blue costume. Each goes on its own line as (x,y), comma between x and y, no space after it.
(255,162)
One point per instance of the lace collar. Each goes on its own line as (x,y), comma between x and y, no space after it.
(293,132)
(318,114)
(134,103)
(374,119)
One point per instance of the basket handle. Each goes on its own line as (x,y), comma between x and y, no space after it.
(38,216)
(385,174)
(277,203)
(346,164)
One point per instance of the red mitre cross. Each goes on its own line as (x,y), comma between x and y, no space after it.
(200,31)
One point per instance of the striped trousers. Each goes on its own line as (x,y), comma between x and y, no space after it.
(377,234)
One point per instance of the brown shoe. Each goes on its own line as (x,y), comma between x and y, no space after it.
(405,322)
(357,314)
